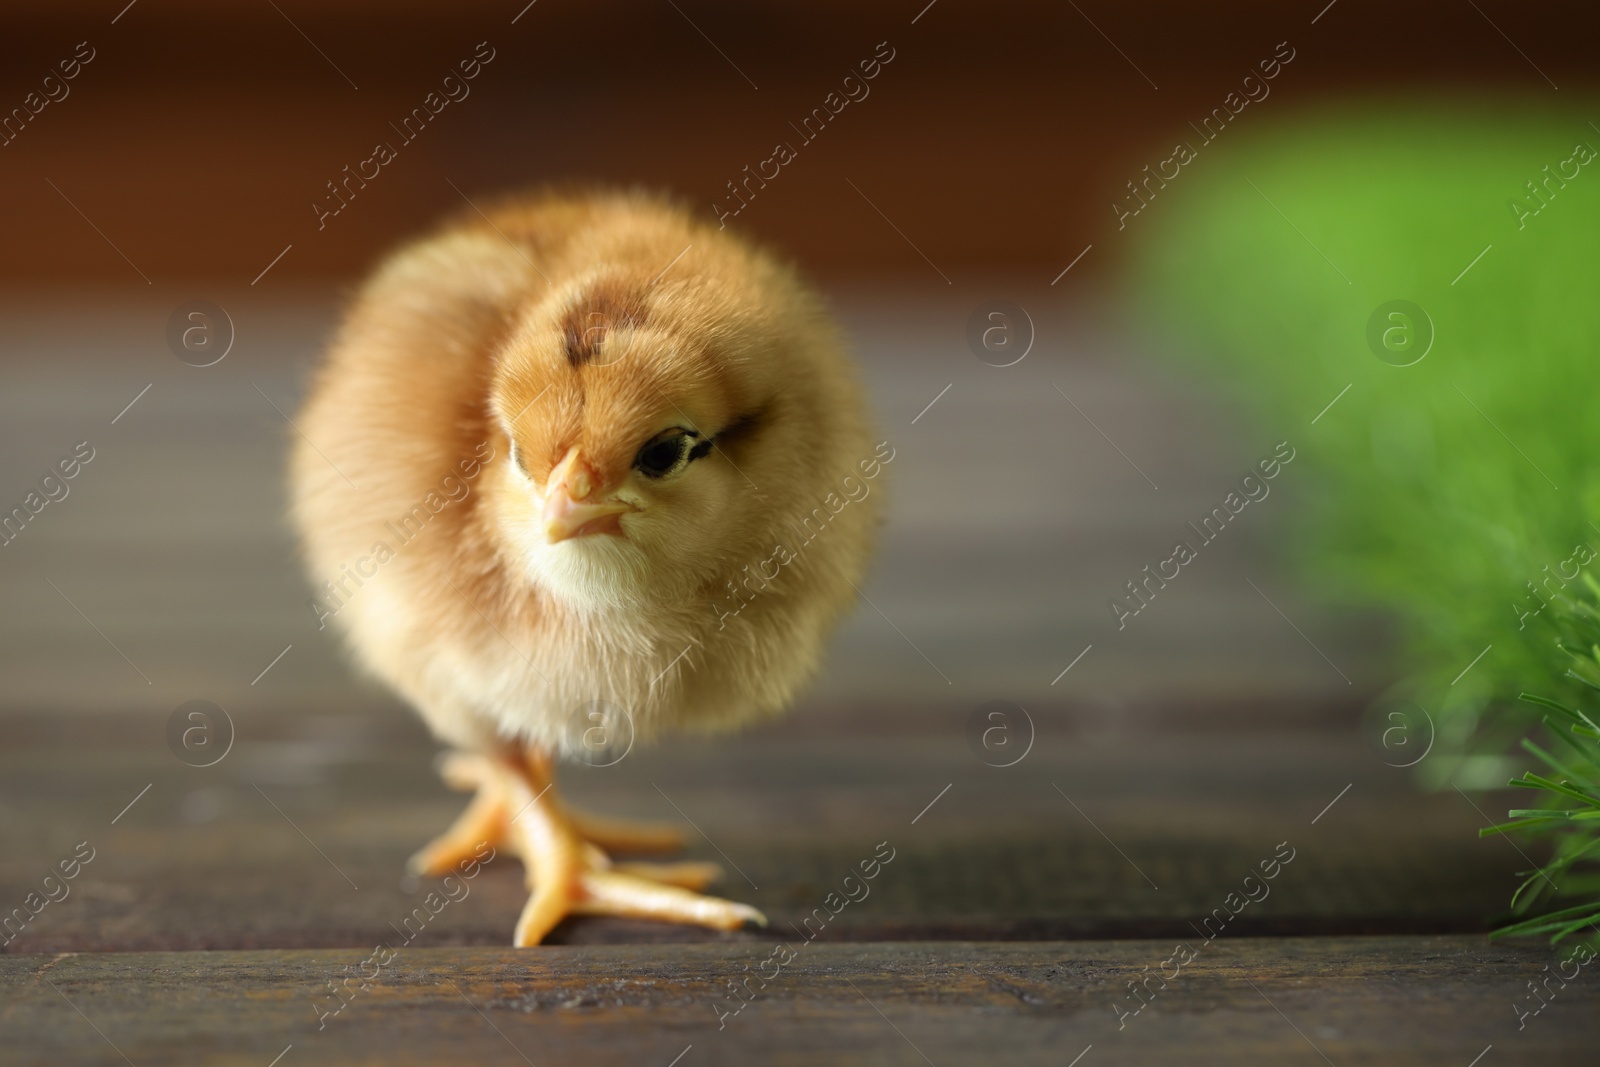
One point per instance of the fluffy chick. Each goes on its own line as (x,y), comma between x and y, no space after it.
(576,472)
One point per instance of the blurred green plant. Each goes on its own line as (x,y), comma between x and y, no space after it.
(1569,780)
(1459,491)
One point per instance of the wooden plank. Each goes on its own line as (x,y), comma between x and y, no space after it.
(1401,1000)
(298,838)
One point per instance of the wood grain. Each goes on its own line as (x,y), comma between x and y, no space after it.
(1393,1000)
(299,836)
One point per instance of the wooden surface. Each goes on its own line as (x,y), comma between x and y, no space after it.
(1391,1000)
(220,905)
(1170,761)
(300,841)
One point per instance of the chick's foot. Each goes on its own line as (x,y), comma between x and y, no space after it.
(565,853)
(483,822)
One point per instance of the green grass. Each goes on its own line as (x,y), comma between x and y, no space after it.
(1434,491)
(1568,779)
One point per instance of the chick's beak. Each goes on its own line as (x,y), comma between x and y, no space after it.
(569,510)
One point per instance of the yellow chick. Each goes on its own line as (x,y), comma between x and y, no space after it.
(576,472)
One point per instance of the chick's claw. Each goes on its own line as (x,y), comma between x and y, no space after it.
(629,896)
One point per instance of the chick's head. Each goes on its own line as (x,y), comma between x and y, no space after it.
(640,421)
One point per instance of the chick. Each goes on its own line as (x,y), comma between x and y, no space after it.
(577,472)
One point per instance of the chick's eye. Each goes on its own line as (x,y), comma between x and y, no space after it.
(666,453)
(519,459)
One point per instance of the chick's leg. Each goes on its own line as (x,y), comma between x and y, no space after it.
(570,875)
(485,822)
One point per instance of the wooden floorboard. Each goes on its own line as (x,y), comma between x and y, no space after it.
(1389,1000)
(291,842)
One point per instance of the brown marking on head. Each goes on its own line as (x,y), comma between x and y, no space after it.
(608,304)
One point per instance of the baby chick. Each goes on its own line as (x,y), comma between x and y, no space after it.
(584,470)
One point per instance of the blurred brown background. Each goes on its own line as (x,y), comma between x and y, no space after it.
(201,133)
